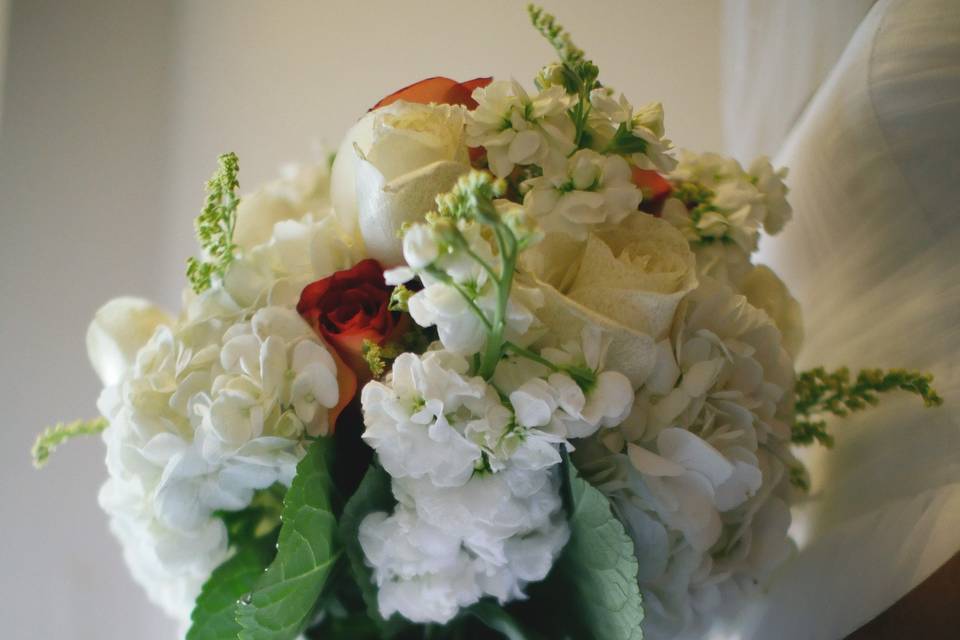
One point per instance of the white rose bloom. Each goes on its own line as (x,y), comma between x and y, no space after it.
(696,469)
(594,191)
(391,166)
(516,129)
(209,413)
(627,281)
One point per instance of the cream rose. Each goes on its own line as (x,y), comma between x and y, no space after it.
(390,168)
(627,281)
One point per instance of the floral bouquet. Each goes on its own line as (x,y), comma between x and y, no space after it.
(503,367)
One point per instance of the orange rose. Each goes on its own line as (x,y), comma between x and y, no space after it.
(438,90)
(347,308)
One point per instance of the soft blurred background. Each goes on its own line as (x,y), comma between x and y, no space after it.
(112,114)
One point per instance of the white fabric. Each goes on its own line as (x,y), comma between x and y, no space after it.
(776,54)
(872,257)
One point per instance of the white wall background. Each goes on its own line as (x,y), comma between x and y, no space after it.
(113,112)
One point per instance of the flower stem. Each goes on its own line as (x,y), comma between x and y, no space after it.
(493,352)
(530,355)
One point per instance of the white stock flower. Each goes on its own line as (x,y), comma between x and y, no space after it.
(770,183)
(516,129)
(479,510)
(454,277)
(444,548)
(415,420)
(718,201)
(608,114)
(575,401)
(594,191)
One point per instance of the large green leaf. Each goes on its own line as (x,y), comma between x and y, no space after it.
(598,568)
(372,495)
(213,616)
(283,599)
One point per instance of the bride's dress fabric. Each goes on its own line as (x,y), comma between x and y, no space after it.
(873,255)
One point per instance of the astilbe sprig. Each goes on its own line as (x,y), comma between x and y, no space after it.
(54,436)
(820,393)
(215,225)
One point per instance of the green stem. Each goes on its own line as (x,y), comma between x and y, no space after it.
(483,263)
(507,244)
(530,355)
(446,279)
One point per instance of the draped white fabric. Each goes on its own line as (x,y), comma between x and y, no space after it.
(776,54)
(872,256)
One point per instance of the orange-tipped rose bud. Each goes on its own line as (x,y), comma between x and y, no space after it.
(439,90)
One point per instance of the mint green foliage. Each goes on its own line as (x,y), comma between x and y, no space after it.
(597,571)
(253,536)
(54,436)
(819,393)
(372,495)
(579,74)
(213,616)
(215,225)
(283,600)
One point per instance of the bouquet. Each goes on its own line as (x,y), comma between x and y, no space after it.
(502,367)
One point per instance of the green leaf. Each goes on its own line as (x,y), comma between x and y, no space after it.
(213,615)
(54,436)
(598,567)
(372,495)
(284,598)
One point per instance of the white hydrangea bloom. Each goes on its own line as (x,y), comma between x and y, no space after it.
(517,129)
(608,114)
(702,455)
(443,300)
(595,190)
(210,413)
